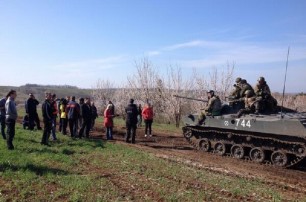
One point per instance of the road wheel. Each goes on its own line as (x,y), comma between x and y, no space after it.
(204,145)
(237,151)
(257,154)
(220,148)
(279,158)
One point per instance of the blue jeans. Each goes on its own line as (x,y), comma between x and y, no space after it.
(109,133)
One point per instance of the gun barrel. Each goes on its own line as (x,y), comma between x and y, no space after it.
(189,98)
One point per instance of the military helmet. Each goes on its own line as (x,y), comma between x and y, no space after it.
(248,93)
(211,92)
(243,81)
(238,79)
(261,79)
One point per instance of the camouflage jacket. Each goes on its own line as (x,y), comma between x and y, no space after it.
(262,90)
(244,88)
(249,102)
(214,105)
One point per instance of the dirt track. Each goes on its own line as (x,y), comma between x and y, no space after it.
(174,147)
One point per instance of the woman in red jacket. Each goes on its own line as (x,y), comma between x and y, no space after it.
(108,122)
(147,114)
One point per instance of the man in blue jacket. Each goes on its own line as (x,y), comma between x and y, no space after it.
(73,111)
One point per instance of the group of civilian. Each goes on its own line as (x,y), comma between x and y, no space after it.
(79,116)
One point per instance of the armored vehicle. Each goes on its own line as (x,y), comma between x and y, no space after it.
(278,138)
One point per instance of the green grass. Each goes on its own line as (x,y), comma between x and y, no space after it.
(94,170)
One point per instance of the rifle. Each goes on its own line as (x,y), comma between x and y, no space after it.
(190,98)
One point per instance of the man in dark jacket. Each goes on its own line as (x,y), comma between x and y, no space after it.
(87,116)
(94,115)
(131,121)
(73,112)
(80,119)
(47,113)
(54,114)
(10,118)
(2,116)
(31,110)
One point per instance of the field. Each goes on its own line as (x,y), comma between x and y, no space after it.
(162,168)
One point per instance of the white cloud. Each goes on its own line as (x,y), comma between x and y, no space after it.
(101,63)
(214,53)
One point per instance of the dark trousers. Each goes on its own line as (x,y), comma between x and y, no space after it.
(2,125)
(63,125)
(148,127)
(10,132)
(130,131)
(47,131)
(33,118)
(109,133)
(53,130)
(60,125)
(93,121)
(139,117)
(85,124)
(73,127)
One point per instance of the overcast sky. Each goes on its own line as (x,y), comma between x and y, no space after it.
(78,42)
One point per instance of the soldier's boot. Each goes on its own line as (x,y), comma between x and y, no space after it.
(201,121)
(240,113)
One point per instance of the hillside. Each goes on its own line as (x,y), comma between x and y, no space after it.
(39,90)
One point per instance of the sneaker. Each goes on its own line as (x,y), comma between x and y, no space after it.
(150,135)
(146,135)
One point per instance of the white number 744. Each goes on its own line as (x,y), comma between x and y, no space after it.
(244,123)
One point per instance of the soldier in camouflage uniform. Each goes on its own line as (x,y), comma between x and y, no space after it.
(252,104)
(235,94)
(244,87)
(263,93)
(213,107)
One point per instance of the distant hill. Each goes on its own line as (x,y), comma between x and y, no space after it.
(39,90)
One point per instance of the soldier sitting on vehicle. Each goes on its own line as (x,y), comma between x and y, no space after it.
(252,104)
(244,87)
(213,107)
(238,92)
(264,96)
(235,93)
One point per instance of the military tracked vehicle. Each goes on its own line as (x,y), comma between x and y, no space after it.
(278,139)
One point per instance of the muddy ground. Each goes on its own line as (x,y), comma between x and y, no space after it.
(174,147)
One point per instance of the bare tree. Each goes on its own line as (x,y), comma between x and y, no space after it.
(102,92)
(143,82)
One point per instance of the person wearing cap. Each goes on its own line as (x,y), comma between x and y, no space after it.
(263,94)
(213,107)
(131,121)
(31,110)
